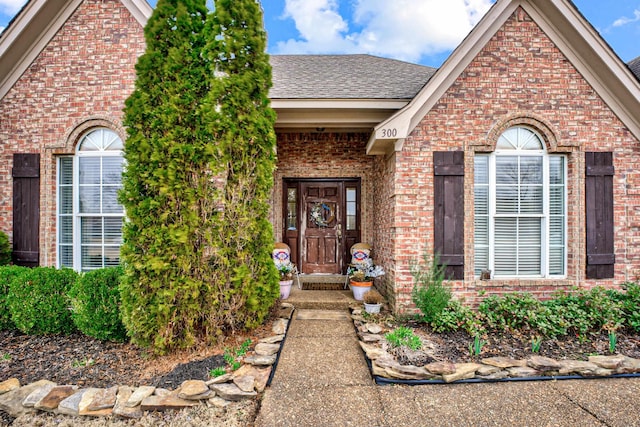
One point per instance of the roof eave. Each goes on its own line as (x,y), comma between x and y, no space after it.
(334,114)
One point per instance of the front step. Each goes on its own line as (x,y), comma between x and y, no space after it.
(321,300)
(322,282)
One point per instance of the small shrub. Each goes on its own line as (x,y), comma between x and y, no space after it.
(403,337)
(455,317)
(510,312)
(7,274)
(475,347)
(429,294)
(630,303)
(372,297)
(95,298)
(39,303)
(5,249)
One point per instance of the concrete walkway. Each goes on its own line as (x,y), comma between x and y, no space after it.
(322,380)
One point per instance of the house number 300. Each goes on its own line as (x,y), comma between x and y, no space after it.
(389,133)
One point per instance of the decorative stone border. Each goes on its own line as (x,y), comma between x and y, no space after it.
(131,402)
(386,370)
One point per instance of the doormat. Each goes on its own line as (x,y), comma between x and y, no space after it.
(322,286)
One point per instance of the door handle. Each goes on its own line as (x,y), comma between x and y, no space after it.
(339,232)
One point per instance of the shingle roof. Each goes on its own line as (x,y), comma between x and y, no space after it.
(635,67)
(345,77)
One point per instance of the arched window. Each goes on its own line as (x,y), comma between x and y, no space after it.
(89,215)
(520,208)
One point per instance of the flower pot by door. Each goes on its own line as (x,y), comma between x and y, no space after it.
(285,288)
(359,289)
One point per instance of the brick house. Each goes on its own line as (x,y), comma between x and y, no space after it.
(518,157)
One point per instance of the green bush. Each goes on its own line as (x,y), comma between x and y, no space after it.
(403,337)
(630,301)
(429,294)
(5,249)
(457,317)
(7,274)
(39,303)
(510,312)
(95,298)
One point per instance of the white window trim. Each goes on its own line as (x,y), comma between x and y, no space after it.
(545,226)
(76,214)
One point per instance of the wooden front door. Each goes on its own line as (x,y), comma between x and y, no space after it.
(322,220)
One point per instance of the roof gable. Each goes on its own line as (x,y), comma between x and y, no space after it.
(566,28)
(34,27)
(634,65)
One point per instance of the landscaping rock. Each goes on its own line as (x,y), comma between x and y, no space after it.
(57,394)
(608,362)
(370,337)
(373,352)
(162,392)
(373,328)
(280,326)
(585,369)
(221,379)
(231,392)
(629,366)
(263,349)
(498,375)
(139,394)
(121,409)
(522,372)
(245,382)
(11,401)
(260,376)
(441,368)
(165,403)
(504,362)
(261,360)
(193,390)
(543,364)
(463,371)
(38,394)
(410,372)
(8,385)
(104,399)
(70,405)
(486,370)
(86,401)
(272,339)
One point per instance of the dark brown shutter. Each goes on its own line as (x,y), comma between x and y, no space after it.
(448,230)
(599,206)
(26,209)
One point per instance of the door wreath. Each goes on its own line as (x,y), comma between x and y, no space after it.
(322,214)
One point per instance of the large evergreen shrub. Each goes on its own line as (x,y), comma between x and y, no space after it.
(95,298)
(7,274)
(169,189)
(5,249)
(39,303)
(247,280)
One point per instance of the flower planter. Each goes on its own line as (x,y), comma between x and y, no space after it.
(359,289)
(285,288)
(372,308)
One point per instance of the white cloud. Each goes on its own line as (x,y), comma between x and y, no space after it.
(403,29)
(11,7)
(626,20)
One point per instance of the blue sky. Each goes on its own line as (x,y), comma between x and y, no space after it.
(420,31)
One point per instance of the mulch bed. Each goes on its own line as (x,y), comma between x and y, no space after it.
(454,346)
(84,361)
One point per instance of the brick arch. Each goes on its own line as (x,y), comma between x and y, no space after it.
(539,124)
(77,131)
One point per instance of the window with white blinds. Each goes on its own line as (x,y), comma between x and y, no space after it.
(89,216)
(520,206)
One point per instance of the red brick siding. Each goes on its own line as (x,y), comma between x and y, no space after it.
(81,78)
(519,74)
